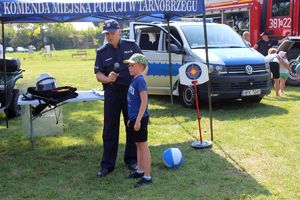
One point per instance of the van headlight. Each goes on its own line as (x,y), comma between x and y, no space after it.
(217,69)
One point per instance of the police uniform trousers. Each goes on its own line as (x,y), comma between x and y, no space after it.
(116,101)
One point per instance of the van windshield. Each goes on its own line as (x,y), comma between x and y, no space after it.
(218,36)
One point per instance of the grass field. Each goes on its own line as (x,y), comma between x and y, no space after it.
(255,155)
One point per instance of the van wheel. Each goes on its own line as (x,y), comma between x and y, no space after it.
(14,110)
(292,54)
(292,74)
(254,99)
(187,96)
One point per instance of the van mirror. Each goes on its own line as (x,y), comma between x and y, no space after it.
(175,49)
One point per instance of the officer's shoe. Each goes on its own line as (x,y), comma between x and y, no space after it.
(103,172)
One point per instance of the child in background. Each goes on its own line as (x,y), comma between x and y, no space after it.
(137,98)
(284,71)
(273,61)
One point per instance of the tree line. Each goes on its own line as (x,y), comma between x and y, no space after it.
(59,35)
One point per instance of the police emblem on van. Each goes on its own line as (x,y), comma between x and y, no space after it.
(248,69)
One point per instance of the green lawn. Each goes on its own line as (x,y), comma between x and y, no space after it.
(255,154)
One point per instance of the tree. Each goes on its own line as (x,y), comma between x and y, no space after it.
(61,35)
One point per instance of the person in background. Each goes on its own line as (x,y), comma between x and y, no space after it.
(114,75)
(284,71)
(246,37)
(137,98)
(273,61)
(265,43)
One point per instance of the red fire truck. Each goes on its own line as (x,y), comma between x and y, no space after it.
(278,17)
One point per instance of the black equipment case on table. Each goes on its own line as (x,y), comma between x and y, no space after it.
(12,65)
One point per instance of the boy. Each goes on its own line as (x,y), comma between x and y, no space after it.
(138,114)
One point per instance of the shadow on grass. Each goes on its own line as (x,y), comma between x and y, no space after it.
(68,172)
(83,120)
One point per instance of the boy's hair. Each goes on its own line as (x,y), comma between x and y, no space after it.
(144,66)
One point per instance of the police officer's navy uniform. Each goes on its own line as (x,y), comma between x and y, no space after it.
(264,46)
(116,100)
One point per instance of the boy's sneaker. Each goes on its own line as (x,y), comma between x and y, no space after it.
(142,182)
(135,175)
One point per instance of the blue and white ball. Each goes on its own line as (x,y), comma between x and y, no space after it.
(172,157)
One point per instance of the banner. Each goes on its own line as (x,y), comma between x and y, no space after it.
(34,8)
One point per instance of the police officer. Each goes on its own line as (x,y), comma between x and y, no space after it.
(114,75)
(265,43)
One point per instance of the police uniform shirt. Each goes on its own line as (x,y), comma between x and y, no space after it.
(108,56)
(264,46)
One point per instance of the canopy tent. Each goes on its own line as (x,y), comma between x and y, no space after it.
(53,11)
(30,11)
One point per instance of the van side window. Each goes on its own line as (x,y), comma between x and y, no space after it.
(175,33)
(149,38)
(156,41)
(145,43)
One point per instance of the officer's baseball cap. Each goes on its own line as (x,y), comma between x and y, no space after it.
(110,26)
(264,33)
(137,58)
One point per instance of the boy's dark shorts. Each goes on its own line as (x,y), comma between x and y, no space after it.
(274,67)
(142,134)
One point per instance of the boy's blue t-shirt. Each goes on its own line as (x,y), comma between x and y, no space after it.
(137,85)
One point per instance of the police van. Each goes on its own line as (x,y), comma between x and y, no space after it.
(235,70)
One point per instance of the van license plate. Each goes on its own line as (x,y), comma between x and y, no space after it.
(251,92)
